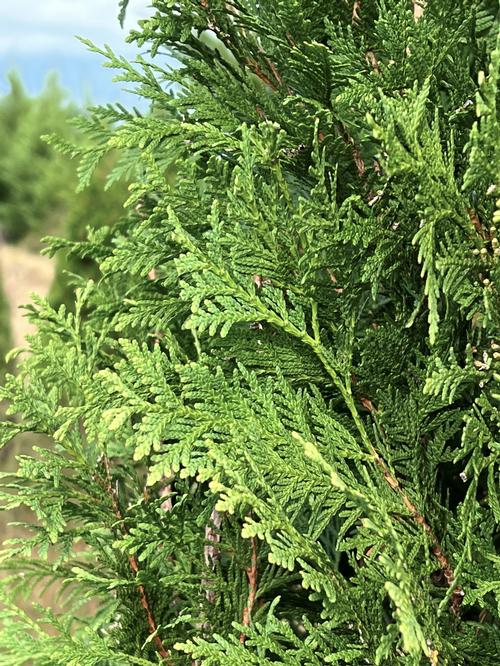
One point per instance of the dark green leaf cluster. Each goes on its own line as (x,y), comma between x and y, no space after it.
(275,418)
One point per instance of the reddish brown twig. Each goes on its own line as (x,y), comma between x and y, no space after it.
(418,517)
(474,218)
(367,404)
(134,565)
(250,62)
(255,67)
(389,477)
(358,160)
(437,551)
(274,70)
(457,596)
(252,589)
(356,152)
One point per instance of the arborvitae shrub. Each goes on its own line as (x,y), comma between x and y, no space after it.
(275,417)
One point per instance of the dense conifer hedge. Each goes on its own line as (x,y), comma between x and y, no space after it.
(275,417)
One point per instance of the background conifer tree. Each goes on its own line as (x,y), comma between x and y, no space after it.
(34,181)
(275,417)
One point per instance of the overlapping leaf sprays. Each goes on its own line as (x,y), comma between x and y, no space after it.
(312,371)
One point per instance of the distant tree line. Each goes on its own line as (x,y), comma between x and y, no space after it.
(38,184)
(35,182)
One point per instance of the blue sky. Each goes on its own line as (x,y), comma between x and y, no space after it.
(38,36)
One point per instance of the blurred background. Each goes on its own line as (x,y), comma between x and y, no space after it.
(47,78)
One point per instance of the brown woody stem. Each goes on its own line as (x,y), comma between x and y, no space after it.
(252,589)
(356,152)
(134,565)
(391,480)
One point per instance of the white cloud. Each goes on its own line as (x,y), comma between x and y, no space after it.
(40,26)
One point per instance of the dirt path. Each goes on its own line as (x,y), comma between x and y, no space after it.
(23,273)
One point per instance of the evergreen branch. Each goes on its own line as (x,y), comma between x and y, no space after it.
(252,573)
(166,491)
(356,152)
(389,477)
(311,365)
(211,551)
(133,562)
(250,62)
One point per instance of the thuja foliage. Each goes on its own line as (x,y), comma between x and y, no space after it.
(275,417)
(95,207)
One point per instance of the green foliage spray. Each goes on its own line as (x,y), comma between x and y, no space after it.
(275,418)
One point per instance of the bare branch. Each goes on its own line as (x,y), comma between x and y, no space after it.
(252,588)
